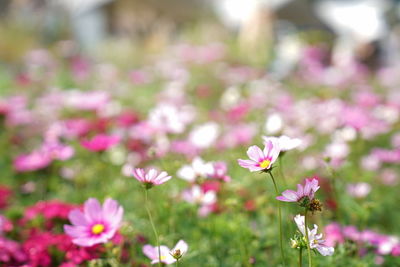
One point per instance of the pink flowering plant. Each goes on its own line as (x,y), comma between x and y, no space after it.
(96,224)
(118,156)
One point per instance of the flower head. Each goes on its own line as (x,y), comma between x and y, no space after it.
(167,256)
(307,191)
(100,142)
(316,241)
(285,142)
(261,160)
(359,190)
(96,224)
(151,178)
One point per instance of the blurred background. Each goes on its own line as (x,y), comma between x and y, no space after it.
(268,33)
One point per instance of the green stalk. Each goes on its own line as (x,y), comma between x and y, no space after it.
(300,257)
(307,239)
(280,220)
(153,226)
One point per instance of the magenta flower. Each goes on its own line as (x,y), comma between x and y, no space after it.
(42,157)
(261,159)
(167,256)
(32,162)
(334,235)
(151,178)
(96,224)
(100,142)
(306,191)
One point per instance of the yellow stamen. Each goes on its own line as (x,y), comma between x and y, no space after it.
(97,229)
(163,257)
(265,163)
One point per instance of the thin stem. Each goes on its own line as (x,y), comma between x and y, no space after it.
(177,263)
(152,226)
(280,220)
(307,239)
(281,170)
(300,257)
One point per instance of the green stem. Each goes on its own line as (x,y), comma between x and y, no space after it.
(300,257)
(281,170)
(152,226)
(280,220)
(177,263)
(307,239)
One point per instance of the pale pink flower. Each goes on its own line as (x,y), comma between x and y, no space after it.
(261,159)
(316,241)
(166,255)
(238,135)
(57,150)
(206,200)
(196,195)
(220,171)
(389,177)
(91,100)
(96,224)
(168,118)
(151,178)
(359,190)
(307,191)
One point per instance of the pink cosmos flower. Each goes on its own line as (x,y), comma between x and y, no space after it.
(307,191)
(31,162)
(261,159)
(316,241)
(220,171)
(197,195)
(100,142)
(151,178)
(166,254)
(43,157)
(334,235)
(57,150)
(96,224)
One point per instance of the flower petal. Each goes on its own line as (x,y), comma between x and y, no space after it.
(255,153)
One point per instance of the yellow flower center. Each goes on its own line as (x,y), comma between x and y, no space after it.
(163,257)
(265,163)
(97,229)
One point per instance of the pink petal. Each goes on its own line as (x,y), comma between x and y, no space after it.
(150,252)
(92,210)
(77,217)
(290,195)
(249,164)
(255,153)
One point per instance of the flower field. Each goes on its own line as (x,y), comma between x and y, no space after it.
(195,157)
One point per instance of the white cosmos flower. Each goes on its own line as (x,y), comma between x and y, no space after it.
(315,239)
